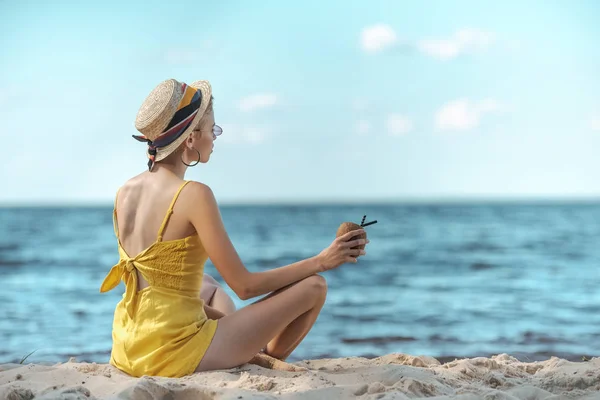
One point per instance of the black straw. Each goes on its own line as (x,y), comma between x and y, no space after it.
(369,223)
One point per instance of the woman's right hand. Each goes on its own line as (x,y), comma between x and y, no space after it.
(340,251)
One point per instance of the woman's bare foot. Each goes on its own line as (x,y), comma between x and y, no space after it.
(266,361)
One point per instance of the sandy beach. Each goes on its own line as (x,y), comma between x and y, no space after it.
(394,376)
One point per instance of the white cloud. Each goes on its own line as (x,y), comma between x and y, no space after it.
(380,37)
(363,127)
(463,114)
(398,125)
(257,101)
(238,134)
(377,38)
(595,123)
(463,41)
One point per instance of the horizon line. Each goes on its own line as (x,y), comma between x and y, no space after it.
(415,200)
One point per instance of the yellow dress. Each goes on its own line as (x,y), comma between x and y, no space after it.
(161,330)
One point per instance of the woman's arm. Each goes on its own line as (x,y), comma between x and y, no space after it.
(206,218)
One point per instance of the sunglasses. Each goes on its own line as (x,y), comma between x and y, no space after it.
(216,130)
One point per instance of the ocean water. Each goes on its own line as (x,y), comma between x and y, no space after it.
(445,280)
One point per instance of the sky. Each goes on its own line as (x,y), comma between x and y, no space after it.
(340,101)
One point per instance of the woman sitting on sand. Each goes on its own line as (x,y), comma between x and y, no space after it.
(167,228)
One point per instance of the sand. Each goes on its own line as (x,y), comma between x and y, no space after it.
(394,376)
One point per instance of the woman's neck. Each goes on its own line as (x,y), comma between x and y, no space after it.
(178,169)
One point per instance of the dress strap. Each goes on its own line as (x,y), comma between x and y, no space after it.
(115,225)
(170,211)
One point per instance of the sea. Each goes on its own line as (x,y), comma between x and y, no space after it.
(446,280)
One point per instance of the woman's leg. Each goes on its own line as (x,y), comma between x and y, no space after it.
(213,295)
(280,322)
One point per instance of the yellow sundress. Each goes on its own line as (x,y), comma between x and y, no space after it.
(161,330)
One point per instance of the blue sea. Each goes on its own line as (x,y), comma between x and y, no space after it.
(444,280)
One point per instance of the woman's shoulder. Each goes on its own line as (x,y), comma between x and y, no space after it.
(198,201)
(198,197)
(198,190)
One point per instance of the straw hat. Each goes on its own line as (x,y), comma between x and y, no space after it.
(169,114)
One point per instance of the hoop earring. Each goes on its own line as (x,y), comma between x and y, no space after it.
(191,165)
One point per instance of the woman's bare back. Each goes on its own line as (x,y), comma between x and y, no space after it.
(141,207)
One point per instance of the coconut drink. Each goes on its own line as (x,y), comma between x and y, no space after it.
(346,227)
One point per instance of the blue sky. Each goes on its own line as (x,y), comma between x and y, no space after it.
(319,101)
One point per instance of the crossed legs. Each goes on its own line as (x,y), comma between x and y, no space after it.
(275,324)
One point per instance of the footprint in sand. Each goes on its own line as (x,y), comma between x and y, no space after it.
(73,393)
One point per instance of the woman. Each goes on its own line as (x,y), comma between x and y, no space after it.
(167,228)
